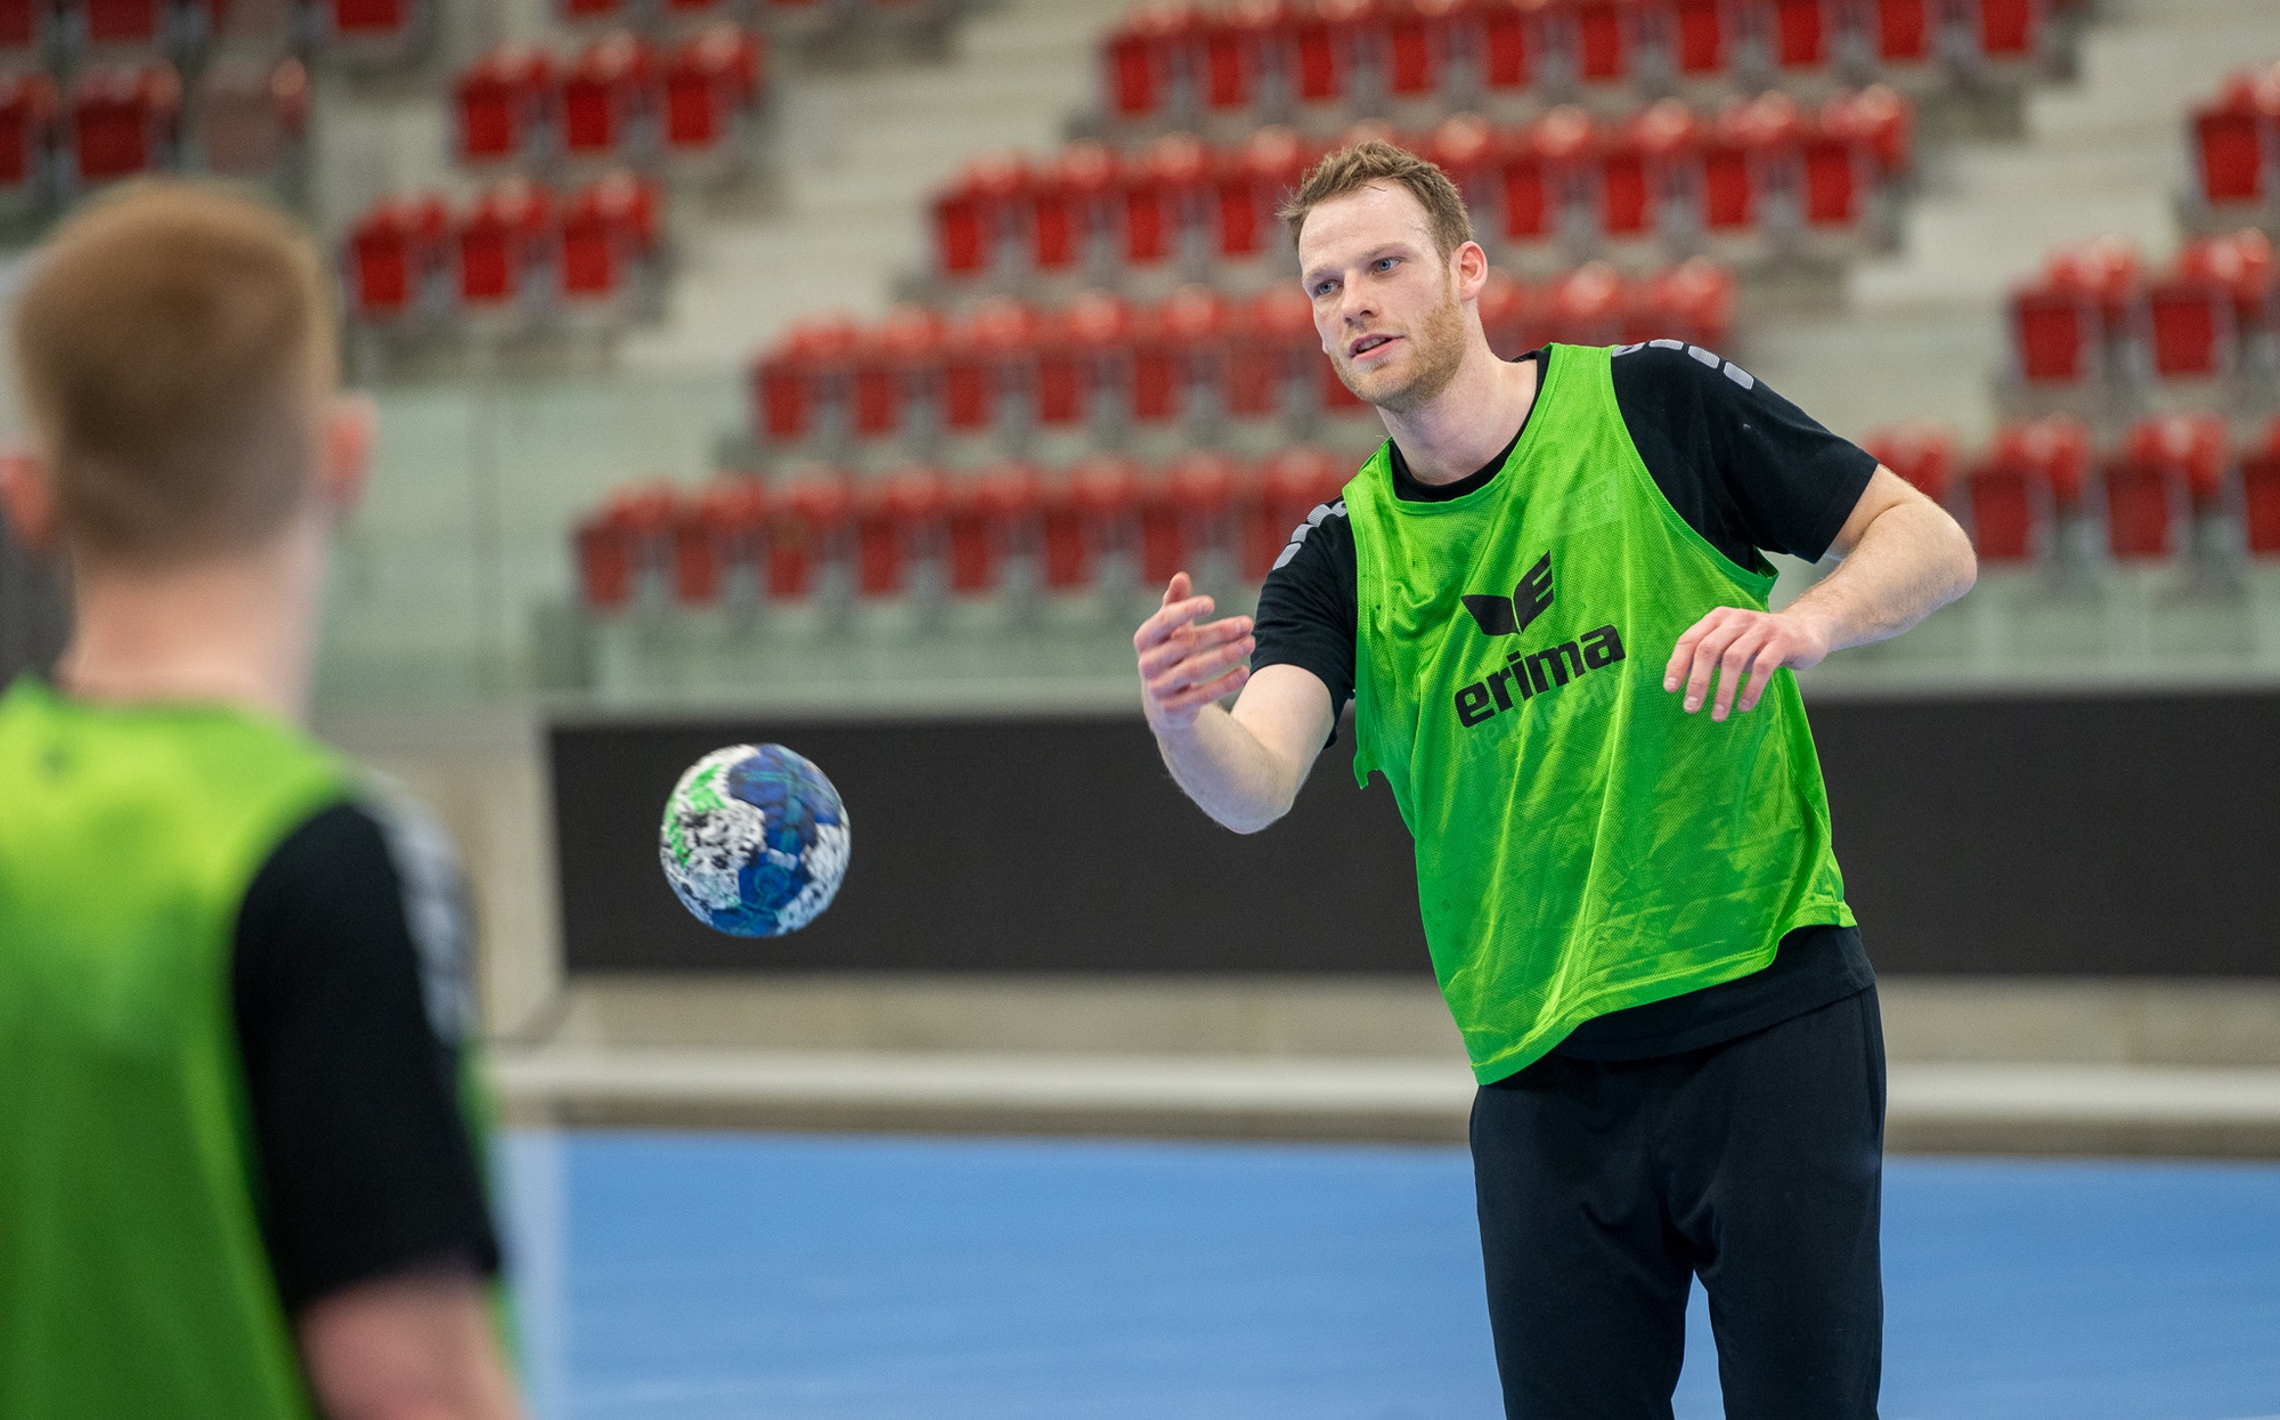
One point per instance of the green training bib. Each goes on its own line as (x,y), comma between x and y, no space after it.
(133,1277)
(1583,845)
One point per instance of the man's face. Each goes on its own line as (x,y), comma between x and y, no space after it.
(1385,302)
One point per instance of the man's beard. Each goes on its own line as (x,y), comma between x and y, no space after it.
(1439,345)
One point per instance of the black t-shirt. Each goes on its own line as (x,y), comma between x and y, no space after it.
(1749,471)
(349,980)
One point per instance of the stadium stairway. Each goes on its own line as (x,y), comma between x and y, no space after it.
(1920,331)
(858,155)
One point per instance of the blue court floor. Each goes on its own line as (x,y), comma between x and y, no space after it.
(678,1276)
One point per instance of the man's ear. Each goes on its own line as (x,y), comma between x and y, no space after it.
(352,422)
(27,498)
(1470,265)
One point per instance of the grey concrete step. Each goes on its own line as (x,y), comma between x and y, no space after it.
(1959,1107)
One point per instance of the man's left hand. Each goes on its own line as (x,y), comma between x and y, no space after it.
(1747,647)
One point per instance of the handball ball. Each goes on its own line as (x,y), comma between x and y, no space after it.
(755,841)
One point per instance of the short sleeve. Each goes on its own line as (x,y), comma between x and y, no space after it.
(1746,468)
(1308,613)
(350,985)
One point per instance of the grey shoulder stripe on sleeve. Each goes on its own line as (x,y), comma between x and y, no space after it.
(1333,509)
(436,907)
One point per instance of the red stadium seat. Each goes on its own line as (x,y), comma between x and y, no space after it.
(590,12)
(1070,224)
(27,131)
(1244,64)
(1323,39)
(810,531)
(1177,353)
(1271,349)
(1508,315)
(1186,514)
(138,24)
(504,106)
(1290,485)
(1249,185)
(987,359)
(720,541)
(896,369)
(1692,301)
(609,233)
(1464,147)
(799,386)
(1149,63)
(1879,117)
(2008,31)
(991,517)
(1507,48)
(2167,462)
(976,221)
(1586,305)
(712,86)
(2191,319)
(380,29)
(249,116)
(1163,194)
(2260,493)
(1089,514)
(625,546)
(26,27)
(2061,325)
(899,524)
(2236,141)
(1084,366)
(2035,468)
(124,121)
(398,258)
(610,98)
(1920,451)
(505,247)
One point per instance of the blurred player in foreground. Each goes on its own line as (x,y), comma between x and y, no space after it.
(238,1176)
(1546,598)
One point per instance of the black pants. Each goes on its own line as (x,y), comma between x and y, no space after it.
(1606,1186)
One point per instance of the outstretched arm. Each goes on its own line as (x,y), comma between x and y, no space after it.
(1903,559)
(1243,767)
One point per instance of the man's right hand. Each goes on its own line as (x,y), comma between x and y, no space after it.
(1186,665)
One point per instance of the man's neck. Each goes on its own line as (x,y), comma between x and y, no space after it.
(1467,424)
(231,631)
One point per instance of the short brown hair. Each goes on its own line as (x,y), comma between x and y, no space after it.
(173,343)
(1360,165)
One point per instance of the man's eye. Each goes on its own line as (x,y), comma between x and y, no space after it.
(1322,288)
(1384,263)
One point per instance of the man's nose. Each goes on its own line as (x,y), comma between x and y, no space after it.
(1354,305)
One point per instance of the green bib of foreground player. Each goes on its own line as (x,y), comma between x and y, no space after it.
(133,1279)
(1582,844)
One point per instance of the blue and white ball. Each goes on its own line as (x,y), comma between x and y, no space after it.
(755,841)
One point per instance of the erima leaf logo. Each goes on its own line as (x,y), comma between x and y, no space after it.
(1509,616)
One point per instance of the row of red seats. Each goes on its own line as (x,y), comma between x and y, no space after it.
(2235,143)
(1759,171)
(921,530)
(1178,65)
(655,14)
(58,33)
(619,99)
(242,119)
(2097,318)
(514,252)
(1100,365)
(2166,473)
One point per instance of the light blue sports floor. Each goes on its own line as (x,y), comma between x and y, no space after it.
(678,1276)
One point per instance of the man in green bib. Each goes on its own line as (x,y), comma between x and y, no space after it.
(240,1174)
(1545,596)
